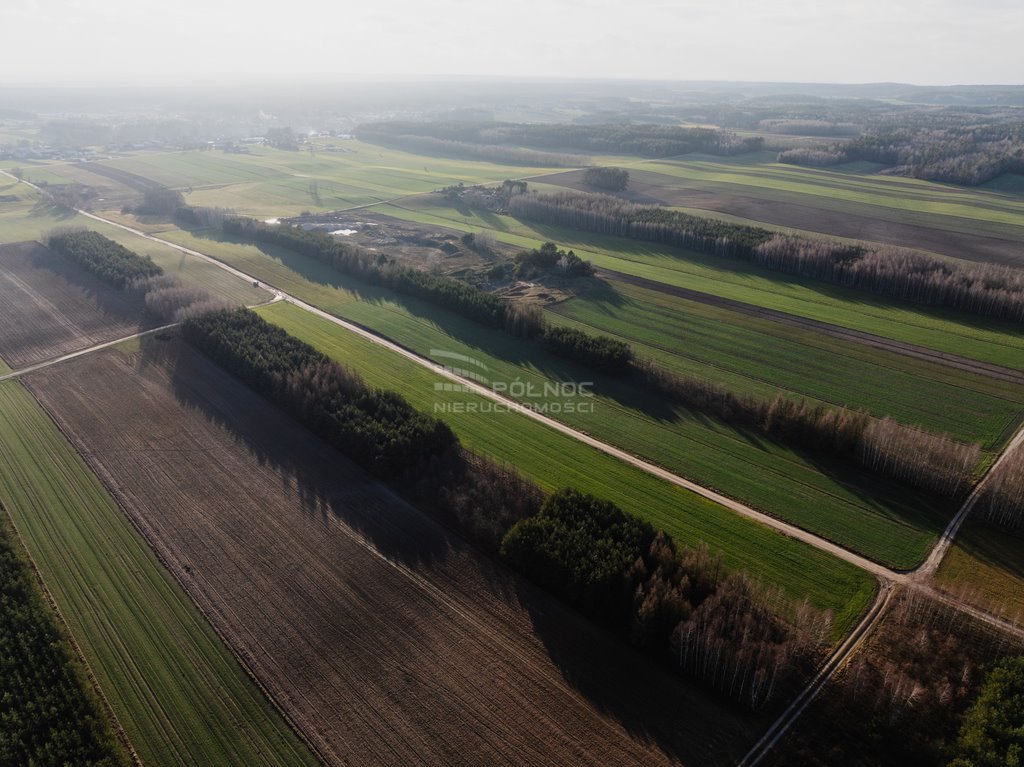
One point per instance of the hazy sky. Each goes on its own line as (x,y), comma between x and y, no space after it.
(918,41)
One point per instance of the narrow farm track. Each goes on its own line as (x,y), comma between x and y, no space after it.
(785,528)
(835,331)
(75,355)
(888,579)
(938,552)
(832,665)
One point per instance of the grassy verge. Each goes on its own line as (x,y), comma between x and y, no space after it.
(177,690)
(555,460)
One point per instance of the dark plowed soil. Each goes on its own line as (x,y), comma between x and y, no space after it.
(647,187)
(387,641)
(50,307)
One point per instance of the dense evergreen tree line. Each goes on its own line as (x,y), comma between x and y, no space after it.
(48,715)
(984,289)
(677,605)
(377,429)
(992,734)
(608,355)
(110,261)
(644,140)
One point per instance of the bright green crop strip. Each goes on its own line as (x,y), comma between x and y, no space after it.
(555,460)
(181,696)
(760,357)
(964,335)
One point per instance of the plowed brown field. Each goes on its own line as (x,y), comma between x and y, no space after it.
(50,307)
(386,640)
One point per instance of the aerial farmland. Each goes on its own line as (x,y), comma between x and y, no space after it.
(581,424)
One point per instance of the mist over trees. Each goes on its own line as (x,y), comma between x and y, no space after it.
(608,179)
(644,140)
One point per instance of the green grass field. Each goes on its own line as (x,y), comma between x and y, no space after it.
(909,200)
(555,460)
(878,518)
(28,219)
(973,337)
(177,690)
(270,182)
(760,357)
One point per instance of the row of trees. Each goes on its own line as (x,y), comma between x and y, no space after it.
(930,461)
(679,606)
(110,261)
(48,715)
(645,140)
(984,289)
(988,290)
(172,300)
(454,295)
(377,429)
(158,201)
(1002,501)
(933,462)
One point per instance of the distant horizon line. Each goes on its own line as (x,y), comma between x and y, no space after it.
(276,78)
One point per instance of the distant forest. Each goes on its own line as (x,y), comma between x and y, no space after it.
(957,148)
(640,140)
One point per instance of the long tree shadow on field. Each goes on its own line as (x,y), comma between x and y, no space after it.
(325,483)
(644,699)
(881,495)
(118,306)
